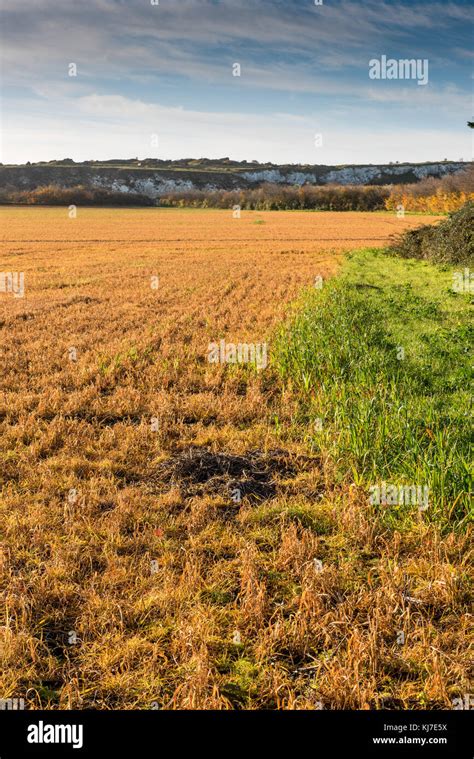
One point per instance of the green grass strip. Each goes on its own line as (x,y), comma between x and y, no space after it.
(381,354)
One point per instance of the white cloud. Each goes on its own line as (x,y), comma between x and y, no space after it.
(292,51)
(114,126)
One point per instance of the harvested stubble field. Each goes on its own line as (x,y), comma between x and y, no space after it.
(132,579)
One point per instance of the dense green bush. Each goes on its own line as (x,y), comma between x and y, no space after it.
(276,197)
(452,241)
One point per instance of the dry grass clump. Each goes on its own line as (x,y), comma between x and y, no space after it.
(130,578)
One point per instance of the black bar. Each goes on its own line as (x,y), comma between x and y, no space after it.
(156,733)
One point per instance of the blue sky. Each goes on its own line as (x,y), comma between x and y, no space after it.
(157,80)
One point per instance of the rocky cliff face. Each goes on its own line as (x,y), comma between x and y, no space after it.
(359,175)
(155,182)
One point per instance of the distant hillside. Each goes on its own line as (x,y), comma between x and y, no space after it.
(154,178)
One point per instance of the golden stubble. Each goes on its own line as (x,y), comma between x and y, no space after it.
(177,599)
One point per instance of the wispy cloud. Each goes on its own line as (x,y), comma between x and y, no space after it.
(176,58)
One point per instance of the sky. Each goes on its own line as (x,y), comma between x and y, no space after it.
(158,80)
